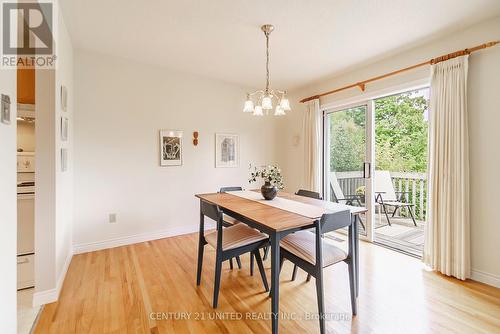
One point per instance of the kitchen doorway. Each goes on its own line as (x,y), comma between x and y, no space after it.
(26,111)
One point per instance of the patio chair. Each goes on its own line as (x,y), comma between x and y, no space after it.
(338,195)
(387,196)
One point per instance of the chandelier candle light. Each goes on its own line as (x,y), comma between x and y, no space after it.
(264,98)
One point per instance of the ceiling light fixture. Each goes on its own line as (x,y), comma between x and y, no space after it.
(264,98)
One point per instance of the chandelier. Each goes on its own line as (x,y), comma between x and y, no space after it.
(264,98)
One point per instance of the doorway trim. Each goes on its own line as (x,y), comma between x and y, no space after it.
(376,94)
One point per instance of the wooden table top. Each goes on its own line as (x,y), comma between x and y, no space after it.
(271,217)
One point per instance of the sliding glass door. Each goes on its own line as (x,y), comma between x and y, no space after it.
(375,156)
(347,157)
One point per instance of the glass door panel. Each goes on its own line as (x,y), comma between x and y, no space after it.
(400,179)
(347,167)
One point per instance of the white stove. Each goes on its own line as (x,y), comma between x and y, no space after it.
(25,219)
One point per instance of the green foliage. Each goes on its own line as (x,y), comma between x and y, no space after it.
(347,146)
(400,135)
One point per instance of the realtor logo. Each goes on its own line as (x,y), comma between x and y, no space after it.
(27,34)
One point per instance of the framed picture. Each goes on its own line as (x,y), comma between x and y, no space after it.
(64,128)
(64,98)
(64,159)
(170,148)
(227,150)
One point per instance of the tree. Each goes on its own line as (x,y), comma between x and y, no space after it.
(347,146)
(400,135)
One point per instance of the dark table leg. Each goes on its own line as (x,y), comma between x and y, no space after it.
(275,277)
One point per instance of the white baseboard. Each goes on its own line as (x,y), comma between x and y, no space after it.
(486,278)
(133,239)
(52,295)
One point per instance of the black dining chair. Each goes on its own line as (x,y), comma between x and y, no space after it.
(308,251)
(311,194)
(308,193)
(230,221)
(228,242)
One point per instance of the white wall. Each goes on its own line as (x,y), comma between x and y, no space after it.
(64,180)
(121,106)
(484,134)
(8,209)
(54,189)
(484,117)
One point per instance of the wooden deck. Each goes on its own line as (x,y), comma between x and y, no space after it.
(402,235)
(150,288)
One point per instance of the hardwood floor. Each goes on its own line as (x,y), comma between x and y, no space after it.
(116,291)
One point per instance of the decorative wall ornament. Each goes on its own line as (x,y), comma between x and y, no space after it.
(195,138)
(227,150)
(170,148)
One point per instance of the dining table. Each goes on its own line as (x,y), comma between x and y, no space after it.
(278,218)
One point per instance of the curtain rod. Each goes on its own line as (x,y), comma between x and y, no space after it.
(362,84)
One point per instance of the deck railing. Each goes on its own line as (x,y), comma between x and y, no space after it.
(414,186)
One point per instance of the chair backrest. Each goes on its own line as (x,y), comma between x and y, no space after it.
(211,210)
(227,189)
(335,187)
(334,221)
(308,193)
(384,186)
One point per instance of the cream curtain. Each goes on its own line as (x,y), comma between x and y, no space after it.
(312,146)
(447,233)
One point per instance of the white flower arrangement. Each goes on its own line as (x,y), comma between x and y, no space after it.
(269,173)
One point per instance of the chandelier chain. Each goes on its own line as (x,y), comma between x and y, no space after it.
(267,63)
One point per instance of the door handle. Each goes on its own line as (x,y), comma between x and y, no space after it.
(366,170)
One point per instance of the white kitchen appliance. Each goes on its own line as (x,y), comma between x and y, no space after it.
(25,220)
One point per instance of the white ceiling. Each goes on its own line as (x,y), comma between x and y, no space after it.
(222,39)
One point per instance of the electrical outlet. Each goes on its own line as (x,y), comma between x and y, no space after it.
(112,217)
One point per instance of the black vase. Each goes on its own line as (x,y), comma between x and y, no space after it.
(269,191)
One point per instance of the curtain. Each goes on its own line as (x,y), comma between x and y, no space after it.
(447,233)
(312,146)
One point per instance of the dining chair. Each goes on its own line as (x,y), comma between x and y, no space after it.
(230,221)
(308,251)
(308,193)
(311,194)
(228,242)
